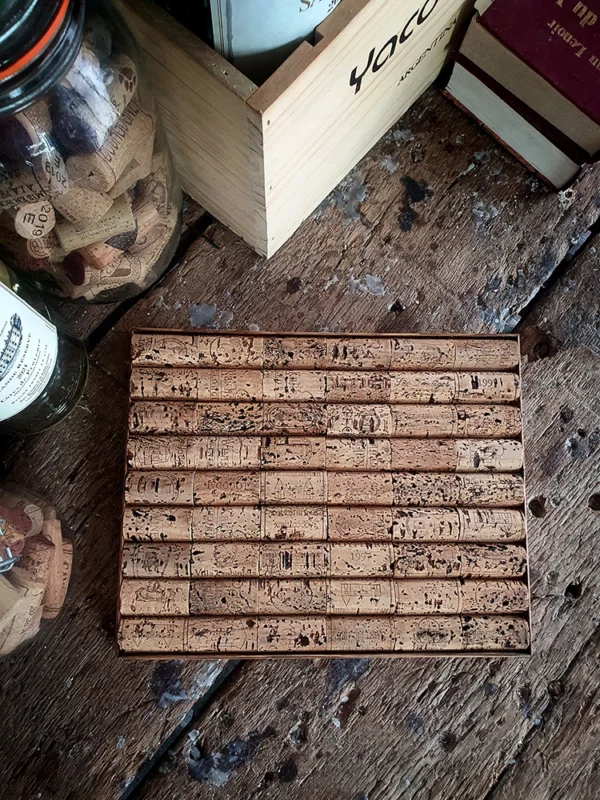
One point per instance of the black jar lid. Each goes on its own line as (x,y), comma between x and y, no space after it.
(39,40)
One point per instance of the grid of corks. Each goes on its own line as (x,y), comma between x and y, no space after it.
(85,181)
(321,494)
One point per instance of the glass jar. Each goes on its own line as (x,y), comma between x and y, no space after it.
(89,200)
(36,556)
(43,370)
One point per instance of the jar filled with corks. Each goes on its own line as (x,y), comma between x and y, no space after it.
(36,556)
(89,201)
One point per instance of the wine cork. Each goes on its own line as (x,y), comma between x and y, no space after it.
(229,351)
(99,256)
(58,583)
(364,559)
(193,452)
(124,271)
(137,169)
(14,527)
(360,596)
(362,387)
(361,488)
(294,386)
(352,523)
(454,387)
(293,488)
(359,454)
(159,488)
(443,489)
(292,634)
(290,352)
(359,420)
(156,598)
(294,560)
(292,596)
(456,455)
(25,183)
(243,385)
(228,418)
(151,227)
(286,452)
(226,488)
(358,353)
(293,418)
(37,557)
(155,187)
(23,621)
(226,523)
(459,560)
(225,559)
(26,516)
(143,635)
(348,634)
(100,169)
(284,523)
(120,77)
(149,417)
(8,598)
(165,560)
(163,384)
(34,220)
(462,421)
(417,596)
(221,635)
(118,219)
(21,134)
(157,524)
(458,524)
(164,350)
(433,634)
(455,354)
(223,597)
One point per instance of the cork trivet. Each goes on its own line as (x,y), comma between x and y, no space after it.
(226,523)
(157,524)
(294,386)
(416,596)
(362,633)
(82,206)
(292,452)
(100,170)
(164,488)
(360,596)
(225,596)
(364,559)
(307,596)
(352,523)
(454,387)
(194,452)
(224,559)
(460,633)
(338,494)
(155,598)
(458,560)
(292,634)
(221,635)
(168,560)
(294,560)
(456,455)
(443,489)
(287,523)
(458,524)
(118,219)
(33,220)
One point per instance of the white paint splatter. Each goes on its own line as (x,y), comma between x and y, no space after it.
(566,198)
(370,284)
(389,164)
(405,135)
(121,742)
(330,282)
(253,327)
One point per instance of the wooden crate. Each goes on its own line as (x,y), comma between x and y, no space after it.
(261,159)
(292,494)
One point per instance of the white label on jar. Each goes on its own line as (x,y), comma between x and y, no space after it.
(28,352)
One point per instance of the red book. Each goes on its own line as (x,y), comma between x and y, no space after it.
(559,39)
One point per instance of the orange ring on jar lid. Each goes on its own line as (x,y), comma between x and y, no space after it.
(41,44)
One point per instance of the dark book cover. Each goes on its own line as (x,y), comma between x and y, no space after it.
(559,39)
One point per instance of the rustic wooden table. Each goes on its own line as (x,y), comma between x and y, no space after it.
(437,229)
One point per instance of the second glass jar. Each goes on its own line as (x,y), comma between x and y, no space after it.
(89,201)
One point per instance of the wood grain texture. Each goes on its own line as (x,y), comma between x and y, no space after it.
(277,475)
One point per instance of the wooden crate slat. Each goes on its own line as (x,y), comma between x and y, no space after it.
(323,494)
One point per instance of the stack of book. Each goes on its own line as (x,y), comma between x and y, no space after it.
(529,72)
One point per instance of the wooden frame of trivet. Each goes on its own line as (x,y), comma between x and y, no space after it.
(388,551)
